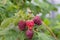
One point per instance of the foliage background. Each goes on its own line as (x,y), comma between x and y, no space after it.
(11,11)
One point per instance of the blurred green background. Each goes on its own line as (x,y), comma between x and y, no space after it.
(9,13)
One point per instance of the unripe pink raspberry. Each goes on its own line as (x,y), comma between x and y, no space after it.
(37,20)
(22,25)
(29,34)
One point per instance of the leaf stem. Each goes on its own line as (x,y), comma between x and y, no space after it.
(49,29)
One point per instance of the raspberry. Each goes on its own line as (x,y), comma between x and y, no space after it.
(29,34)
(37,20)
(30,24)
(22,25)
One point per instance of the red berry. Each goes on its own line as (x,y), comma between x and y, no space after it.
(30,24)
(22,25)
(37,20)
(29,34)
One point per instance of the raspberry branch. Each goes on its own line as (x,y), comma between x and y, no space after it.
(49,29)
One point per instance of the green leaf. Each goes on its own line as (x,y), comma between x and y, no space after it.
(43,36)
(6,22)
(12,33)
(5,31)
(11,36)
(47,22)
(14,20)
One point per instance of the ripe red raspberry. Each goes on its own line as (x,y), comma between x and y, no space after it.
(29,34)
(37,20)
(30,24)
(22,25)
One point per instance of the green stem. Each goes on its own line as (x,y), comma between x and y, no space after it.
(49,29)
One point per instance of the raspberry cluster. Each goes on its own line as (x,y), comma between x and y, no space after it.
(29,24)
